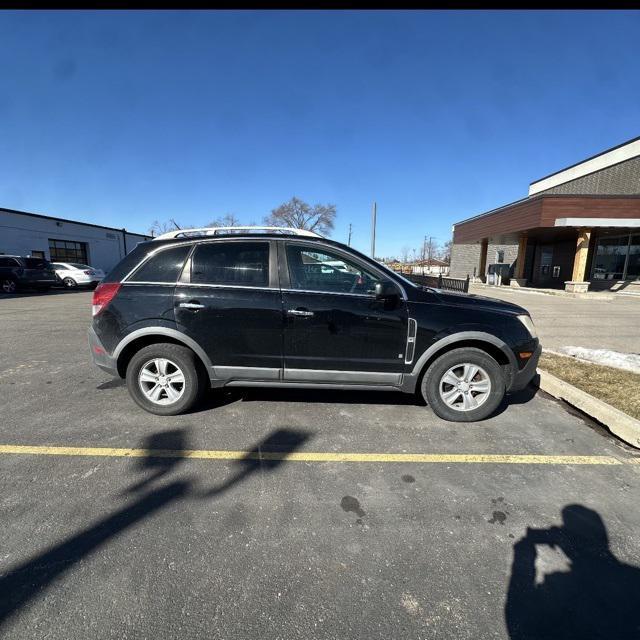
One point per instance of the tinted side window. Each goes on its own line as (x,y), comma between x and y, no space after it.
(239,263)
(165,266)
(35,263)
(314,270)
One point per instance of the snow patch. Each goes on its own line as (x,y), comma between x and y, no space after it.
(616,359)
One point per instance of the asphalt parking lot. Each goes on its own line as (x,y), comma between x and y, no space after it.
(297,514)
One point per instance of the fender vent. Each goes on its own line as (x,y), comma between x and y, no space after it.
(411,341)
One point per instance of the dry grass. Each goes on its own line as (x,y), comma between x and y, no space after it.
(616,387)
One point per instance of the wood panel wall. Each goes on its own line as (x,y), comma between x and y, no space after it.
(542,211)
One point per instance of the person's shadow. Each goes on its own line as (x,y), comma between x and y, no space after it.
(598,598)
(163,452)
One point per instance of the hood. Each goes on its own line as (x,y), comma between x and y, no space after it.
(472,300)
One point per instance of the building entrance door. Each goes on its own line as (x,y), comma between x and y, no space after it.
(546,263)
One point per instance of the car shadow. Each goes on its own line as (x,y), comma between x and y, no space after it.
(519,397)
(229,395)
(163,453)
(599,597)
(221,397)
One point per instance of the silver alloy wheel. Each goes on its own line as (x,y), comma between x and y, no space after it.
(161,381)
(465,387)
(9,286)
(70,283)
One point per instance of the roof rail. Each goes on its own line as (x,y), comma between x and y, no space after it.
(215,231)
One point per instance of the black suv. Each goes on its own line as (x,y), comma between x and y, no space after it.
(183,313)
(17,273)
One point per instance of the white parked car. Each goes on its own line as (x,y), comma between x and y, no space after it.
(74,274)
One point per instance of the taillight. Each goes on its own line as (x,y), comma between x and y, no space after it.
(103,294)
(88,273)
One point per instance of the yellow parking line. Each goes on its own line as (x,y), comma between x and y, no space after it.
(304,456)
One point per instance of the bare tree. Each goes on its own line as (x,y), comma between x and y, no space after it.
(227,220)
(158,228)
(404,254)
(298,214)
(445,251)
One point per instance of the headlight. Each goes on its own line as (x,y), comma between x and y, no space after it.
(528,323)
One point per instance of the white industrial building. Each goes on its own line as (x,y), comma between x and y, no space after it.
(60,240)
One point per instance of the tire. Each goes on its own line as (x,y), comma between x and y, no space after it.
(470,403)
(8,285)
(179,359)
(69,283)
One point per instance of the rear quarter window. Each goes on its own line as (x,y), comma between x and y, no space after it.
(129,262)
(164,266)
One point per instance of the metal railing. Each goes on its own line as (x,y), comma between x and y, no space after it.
(440,282)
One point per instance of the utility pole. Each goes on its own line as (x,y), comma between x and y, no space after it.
(430,246)
(349,241)
(373,231)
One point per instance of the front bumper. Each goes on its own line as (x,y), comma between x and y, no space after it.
(524,376)
(100,356)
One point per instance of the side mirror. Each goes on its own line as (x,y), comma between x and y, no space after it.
(386,290)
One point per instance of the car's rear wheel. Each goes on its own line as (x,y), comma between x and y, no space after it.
(165,379)
(69,283)
(464,385)
(8,285)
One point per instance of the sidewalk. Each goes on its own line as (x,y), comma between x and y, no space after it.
(600,295)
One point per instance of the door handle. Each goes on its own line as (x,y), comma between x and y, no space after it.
(191,305)
(299,312)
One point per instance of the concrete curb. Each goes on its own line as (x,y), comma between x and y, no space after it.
(619,423)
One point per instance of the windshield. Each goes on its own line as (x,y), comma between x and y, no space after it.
(77,265)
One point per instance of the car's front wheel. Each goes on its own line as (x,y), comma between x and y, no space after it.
(464,385)
(165,379)
(8,285)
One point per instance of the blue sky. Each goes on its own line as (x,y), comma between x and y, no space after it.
(123,118)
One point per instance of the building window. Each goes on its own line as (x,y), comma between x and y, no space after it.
(500,256)
(633,261)
(616,258)
(37,254)
(68,251)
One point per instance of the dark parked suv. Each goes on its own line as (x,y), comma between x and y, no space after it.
(186,312)
(17,273)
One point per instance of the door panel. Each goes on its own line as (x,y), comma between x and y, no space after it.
(333,323)
(236,327)
(347,333)
(231,305)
